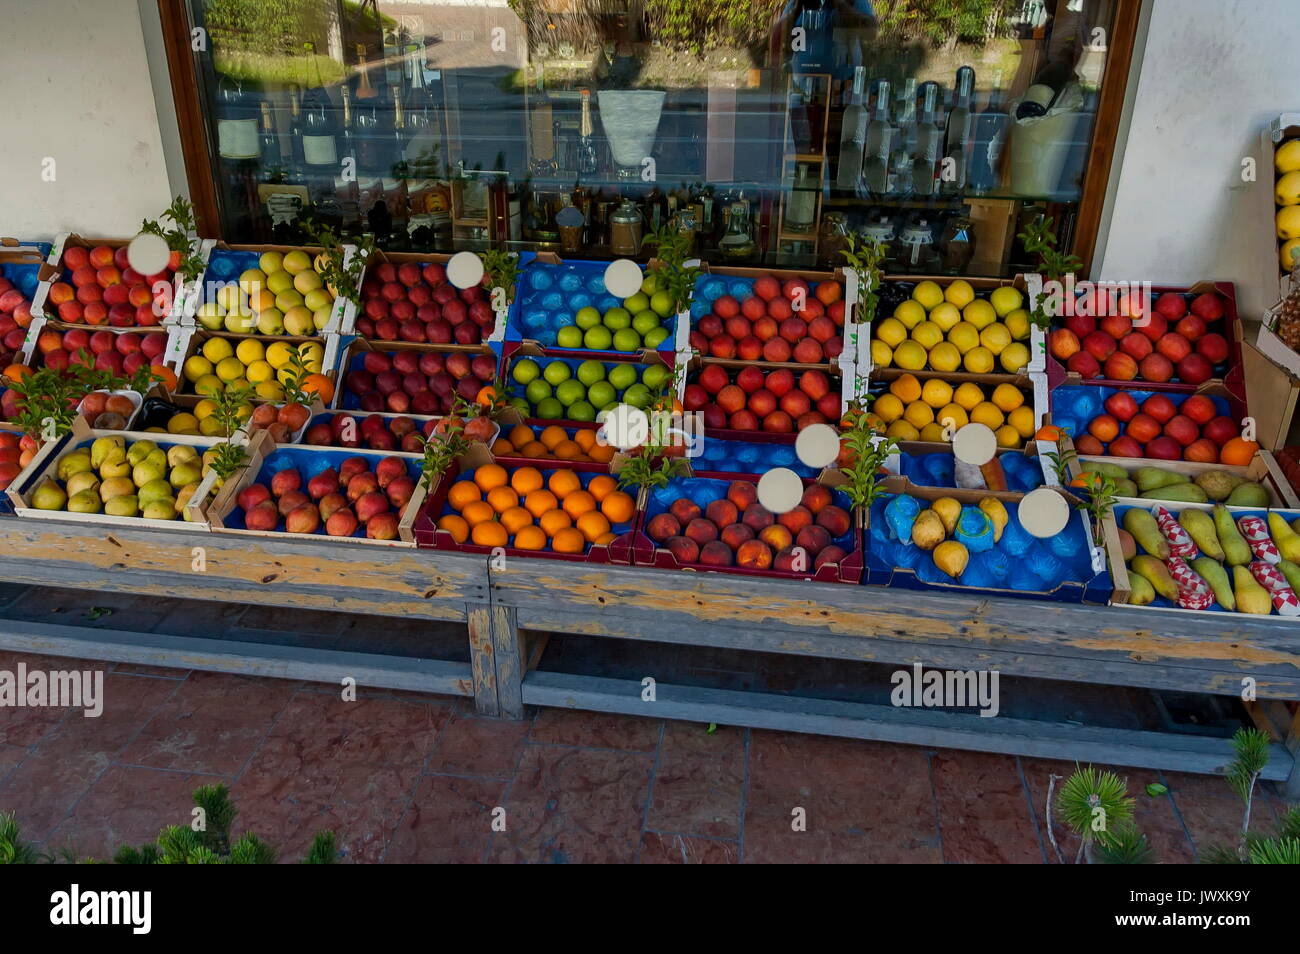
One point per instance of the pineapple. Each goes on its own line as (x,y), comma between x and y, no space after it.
(1288,313)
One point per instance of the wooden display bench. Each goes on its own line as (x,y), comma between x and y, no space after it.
(507,607)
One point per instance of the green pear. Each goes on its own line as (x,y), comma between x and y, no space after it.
(101,449)
(1292,574)
(1236,551)
(1217,484)
(1200,527)
(1285,539)
(1214,574)
(1153,478)
(927,530)
(148,471)
(1142,525)
(124,505)
(139,451)
(1251,597)
(997,514)
(188,472)
(158,489)
(162,509)
(180,454)
(75,462)
(1140,591)
(86,480)
(1157,574)
(116,487)
(85,501)
(49,496)
(1248,494)
(116,465)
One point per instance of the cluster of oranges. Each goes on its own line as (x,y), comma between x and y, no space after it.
(553,443)
(913,411)
(497,508)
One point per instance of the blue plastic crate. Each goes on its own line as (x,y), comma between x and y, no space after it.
(719,455)
(1075,405)
(1024,473)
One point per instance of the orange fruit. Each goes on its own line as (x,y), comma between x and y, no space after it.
(489,476)
(16,372)
(489,533)
(578,503)
(563,483)
(618,507)
(569,540)
(486,396)
(1239,452)
(502,448)
(534,449)
(593,525)
(515,519)
(455,525)
(530,538)
(463,492)
(525,480)
(602,486)
(502,499)
(552,436)
(567,450)
(606,540)
(318,384)
(1048,432)
(553,521)
(478,511)
(167,378)
(585,437)
(602,453)
(540,501)
(520,435)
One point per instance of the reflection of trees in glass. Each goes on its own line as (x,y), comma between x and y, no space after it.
(942,21)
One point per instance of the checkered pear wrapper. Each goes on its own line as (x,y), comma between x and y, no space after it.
(1261,543)
(1180,541)
(1284,598)
(1193,592)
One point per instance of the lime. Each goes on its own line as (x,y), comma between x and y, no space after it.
(582,411)
(649,284)
(525,371)
(662,303)
(522,404)
(655,338)
(550,409)
(570,336)
(598,338)
(655,376)
(570,392)
(556,372)
(622,376)
(645,321)
(637,302)
(537,391)
(601,393)
(625,339)
(589,372)
(587,318)
(638,395)
(617,318)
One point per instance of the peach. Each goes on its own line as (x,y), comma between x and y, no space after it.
(290,501)
(662,526)
(303,519)
(361,484)
(777,536)
(754,554)
(684,549)
(264,516)
(765,329)
(1182,429)
(341,522)
(749,348)
(722,512)
(835,520)
(331,503)
(791,560)
(736,534)
(756,517)
(715,553)
(743,494)
(813,539)
(1104,427)
(795,403)
(1143,427)
(250,496)
(684,510)
(323,484)
(369,504)
(1063,343)
(382,526)
(1203,451)
(745,420)
(701,531)
(816,498)
(400,490)
(831,554)
(798,518)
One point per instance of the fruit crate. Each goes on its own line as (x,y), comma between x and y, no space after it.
(1122,567)
(1264,469)
(196,513)
(20,278)
(731,458)
(1069,568)
(896,289)
(444,369)
(189,342)
(14,444)
(430,535)
(1211,330)
(510,448)
(660,526)
(1281,149)
(729,304)
(326,429)
(47,338)
(726,395)
(656,373)
(1089,413)
(552,292)
(64,279)
(266,459)
(1271,345)
(405,272)
(926,464)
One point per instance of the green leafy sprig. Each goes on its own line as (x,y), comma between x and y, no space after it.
(1039,239)
(441,449)
(1096,806)
(344,279)
(868,451)
(502,271)
(179,235)
(864,257)
(672,275)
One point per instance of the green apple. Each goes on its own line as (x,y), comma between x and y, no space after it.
(296,261)
(537,391)
(307,281)
(587,318)
(649,284)
(570,392)
(550,409)
(655,376)
(317,298)
(289,298)
(655,338)
(271,262)
(598,338)
(210,315)
(625,339)
(570,336)
(589,372)
(228,297)
(320,318)
(243,324)
(278,282)
(270,322)
(251,280)
(622,376)
(637,302)
(661,303)
(601,393)
(525,371)
(617,318)
(582,411)
(645,322)
(557,371)
(638,395)
(299,321)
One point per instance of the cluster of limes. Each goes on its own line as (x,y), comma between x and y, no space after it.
(630,327)
(949,329)
(556,391)
(524,509)
(913,411)
(553,443)
(220,365)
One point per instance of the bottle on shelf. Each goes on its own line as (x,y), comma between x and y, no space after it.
(956,138)
(588,160)
(900,163)
(802,134)
(801,206)
(925,160)
(423,115)
(319,146)
(369,120)
(272,160)
(988,135)
(853,136)
(237,122)
(879,144)
(541,130)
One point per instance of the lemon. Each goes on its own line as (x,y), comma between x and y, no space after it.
(1022,419)
(892,332)
(1014,357)
(1288,189)
(1290,254)
(932,432)
(945,357)
(888,408)
(312,354)
(928,294)
(1005,300)
(269,391)
(936,392)
(964,335)
(978,360)
(927,334)
(979,313)
(959,293)
(882,356)
(946,315)
(968,395)
(230,369)
(906,388)
(1008,397)
(918,414)
(260,371)
(1007,436)
(196,366)
(217,349)
(995,337)
(1017,323)
(1287,157)
(911,356)
(900,430)
(278,354)
(250,350)
(204,409)
(209,385)
(987,413)
(952,415)
(910,313)
(1288,222)
(211,427)
(179,423)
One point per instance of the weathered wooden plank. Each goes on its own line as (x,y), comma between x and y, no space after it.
(295,572)
(250,659)
(510,660)
(479,621)
(912,726)
(1106,645)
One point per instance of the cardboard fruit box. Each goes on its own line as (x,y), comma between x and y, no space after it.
(1122,573)
(929,464)
(477,364)
(1081,572)
(436,506)
(12,437)
(45,337)
(725,456)
(519,390)
(363,315)
(331,419)
(820,387)
(266,459)
(20,266)
(1281,133)
(190,341)
(196,513)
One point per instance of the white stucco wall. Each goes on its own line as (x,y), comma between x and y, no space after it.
(1213,74)
(75,87)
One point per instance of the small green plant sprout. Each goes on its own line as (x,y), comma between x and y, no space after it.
(1251,753)
(1039,239)
(13,850)
(1062,461)
(293,381)
(178,233)
(444,445)
(47,403)
(502,271)
(340,273)
(670,271)
(864,257)
(1098,500)
(867,452)
(1096,806)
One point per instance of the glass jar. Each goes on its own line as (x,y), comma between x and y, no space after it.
(957,244)
(832,239)
(738,243)
(917,248)
(625,229)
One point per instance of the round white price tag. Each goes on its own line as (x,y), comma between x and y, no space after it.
(1044,513)
(818,445)
(780,490)
(465,269)
(623,278)
(148,254)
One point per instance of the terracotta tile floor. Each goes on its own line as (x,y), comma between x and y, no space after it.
(407,778)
